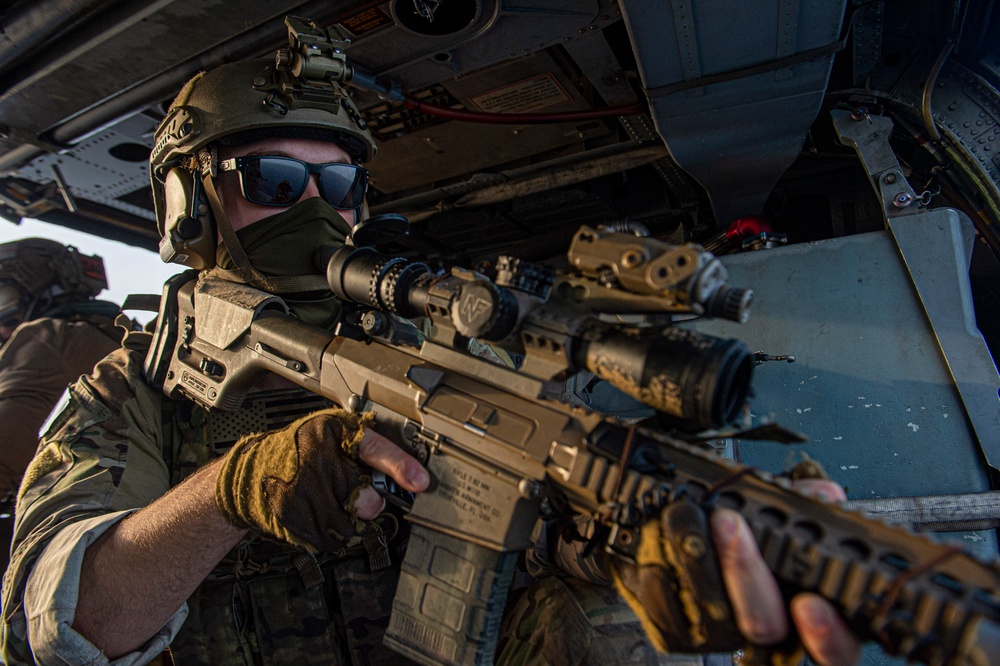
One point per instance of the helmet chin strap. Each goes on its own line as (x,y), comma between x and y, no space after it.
(244,271)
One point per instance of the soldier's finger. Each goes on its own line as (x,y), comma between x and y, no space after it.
(824,489)
(753,592)
(823,633)
(383,455)
(369,503)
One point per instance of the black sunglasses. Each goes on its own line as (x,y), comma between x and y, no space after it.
(272,180)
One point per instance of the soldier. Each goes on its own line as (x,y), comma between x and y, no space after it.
(142,524)
(51,332)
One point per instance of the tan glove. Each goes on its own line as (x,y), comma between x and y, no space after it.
(299,484)
(677,590)
(676,587)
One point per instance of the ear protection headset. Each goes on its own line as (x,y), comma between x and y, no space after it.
(188,229)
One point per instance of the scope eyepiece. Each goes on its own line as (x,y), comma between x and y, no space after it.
(367,277)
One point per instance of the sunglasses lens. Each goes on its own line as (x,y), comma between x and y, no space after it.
(344,185)
(273,181)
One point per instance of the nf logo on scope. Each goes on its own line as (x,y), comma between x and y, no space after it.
(472,307)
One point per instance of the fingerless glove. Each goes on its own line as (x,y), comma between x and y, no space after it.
(299,484)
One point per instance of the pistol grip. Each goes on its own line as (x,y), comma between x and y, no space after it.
(450,600)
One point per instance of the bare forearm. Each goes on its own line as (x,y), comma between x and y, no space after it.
(137,575)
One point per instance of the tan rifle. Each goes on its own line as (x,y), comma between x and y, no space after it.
(501,445)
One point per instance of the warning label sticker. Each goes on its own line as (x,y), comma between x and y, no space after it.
(366,21)
(525,96)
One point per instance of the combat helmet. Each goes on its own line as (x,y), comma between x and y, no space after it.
(37,274)
(234,104)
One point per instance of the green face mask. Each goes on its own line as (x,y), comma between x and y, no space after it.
(285,245)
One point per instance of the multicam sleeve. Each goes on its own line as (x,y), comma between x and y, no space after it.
(99,460)
(50,602)
(560,548)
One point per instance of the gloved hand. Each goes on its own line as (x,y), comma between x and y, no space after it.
(299,484)
(675,586)
(700,585)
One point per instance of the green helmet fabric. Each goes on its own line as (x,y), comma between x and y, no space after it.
(33,265)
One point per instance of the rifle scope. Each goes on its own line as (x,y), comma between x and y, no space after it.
(367,277)
(699,380)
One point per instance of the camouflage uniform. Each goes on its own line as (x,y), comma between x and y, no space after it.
(39,361)
(118,445)
(561,619)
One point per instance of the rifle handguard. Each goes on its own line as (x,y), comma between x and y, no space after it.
(299,484)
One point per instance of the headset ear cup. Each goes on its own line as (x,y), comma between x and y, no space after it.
(188,232)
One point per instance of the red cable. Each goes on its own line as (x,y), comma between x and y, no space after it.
(751,225)
(518,118)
